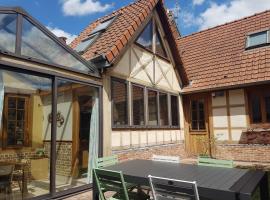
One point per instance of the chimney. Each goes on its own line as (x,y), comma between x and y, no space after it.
(173,23)
(63,39)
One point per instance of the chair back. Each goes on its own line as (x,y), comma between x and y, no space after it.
(215,163)
(172,159)
(108,180)
(168,189)
(107,161)
(6,173)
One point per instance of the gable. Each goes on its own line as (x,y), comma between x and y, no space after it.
(143,64)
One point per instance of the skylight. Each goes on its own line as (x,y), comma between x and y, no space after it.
(257,39)
(86,43)
(103,25)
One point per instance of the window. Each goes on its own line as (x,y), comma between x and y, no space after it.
(119,102)
(8,32)
(138,105)
(16,123)
(259,105)
(174,111)
(197,115)
(86,43)
(163,109)
(256,39)
(160,50)
(103,25)
(146,37)
(152,108)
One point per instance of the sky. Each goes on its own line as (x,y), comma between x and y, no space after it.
(69,17)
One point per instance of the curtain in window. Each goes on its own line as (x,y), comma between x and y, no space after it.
(2,94)
(94,138)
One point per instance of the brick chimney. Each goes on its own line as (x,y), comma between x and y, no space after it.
(63,39)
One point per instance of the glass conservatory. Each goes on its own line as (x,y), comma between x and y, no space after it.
(49,112)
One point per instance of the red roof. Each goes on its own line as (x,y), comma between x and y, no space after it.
(217,58)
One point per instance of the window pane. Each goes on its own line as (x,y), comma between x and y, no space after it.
(258,38)
(26,102)
(197,115)
(145,38)
(160,50)
(152,108)
(8,32)
(77,133)
(35,44)
(256,109)
(174,111)
(267,107)
(138,105)
(103,25)
(119,100)
(163,102)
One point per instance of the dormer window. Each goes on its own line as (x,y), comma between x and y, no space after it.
(258,39)
(103,25)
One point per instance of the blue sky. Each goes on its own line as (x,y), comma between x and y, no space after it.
(70,17)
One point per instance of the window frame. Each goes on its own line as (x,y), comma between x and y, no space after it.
(27,122)
(93,36)
(147,104)
(155,30)
(248,46)
(170,112)
(201,131)
(127,103)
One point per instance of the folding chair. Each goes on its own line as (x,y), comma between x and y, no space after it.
(113,181)
(172,189)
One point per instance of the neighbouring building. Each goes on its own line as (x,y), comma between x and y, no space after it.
(131,85)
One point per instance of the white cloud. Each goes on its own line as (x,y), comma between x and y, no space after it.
(83,7)
(218,14)
(61,33)
(197,2)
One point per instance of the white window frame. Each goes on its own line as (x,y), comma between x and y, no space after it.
(267,38)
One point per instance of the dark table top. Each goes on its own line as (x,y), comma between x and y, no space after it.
(220,181)
(5,170)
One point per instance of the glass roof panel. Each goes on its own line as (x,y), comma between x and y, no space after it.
(8,32)
(36,44)
(145,38)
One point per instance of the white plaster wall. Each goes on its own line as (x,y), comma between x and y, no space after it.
(236,134)
(222,134)
(238,117)
(219,101)
(236,97)
(220,117)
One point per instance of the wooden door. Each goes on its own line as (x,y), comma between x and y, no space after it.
(197,132)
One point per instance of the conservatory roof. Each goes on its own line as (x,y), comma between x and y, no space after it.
(24,37)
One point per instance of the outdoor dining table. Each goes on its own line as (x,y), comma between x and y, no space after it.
(214,183)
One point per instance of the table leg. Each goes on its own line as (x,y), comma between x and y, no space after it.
(264,187)
(95,190)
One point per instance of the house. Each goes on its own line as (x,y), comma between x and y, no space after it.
(130,85)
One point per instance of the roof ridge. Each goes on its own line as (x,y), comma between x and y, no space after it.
(227,23)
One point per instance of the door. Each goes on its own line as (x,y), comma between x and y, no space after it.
(197,133)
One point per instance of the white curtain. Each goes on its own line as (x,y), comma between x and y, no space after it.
(94,137)
(2,95)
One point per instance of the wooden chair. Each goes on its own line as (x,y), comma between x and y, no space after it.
(168,189)
(6,180)
(107,161)
(113,181)
(214,162)
(171,159)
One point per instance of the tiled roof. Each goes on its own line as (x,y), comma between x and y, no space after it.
(117,35)
(217,58)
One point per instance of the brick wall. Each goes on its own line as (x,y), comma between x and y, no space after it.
(147,152)
(63,157)
(243,152)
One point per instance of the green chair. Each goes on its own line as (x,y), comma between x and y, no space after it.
(113,181)
(214,162)
(107,161)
